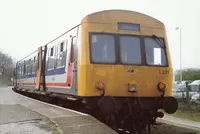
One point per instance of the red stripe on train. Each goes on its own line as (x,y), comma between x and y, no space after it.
(47,84)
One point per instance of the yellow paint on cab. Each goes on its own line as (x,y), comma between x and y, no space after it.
(117,77)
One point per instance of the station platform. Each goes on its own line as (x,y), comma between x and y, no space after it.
(22,115)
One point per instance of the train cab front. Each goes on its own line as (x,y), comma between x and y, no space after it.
(124,66)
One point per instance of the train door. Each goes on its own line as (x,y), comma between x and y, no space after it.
(69,61)
(39,69)
(72,68)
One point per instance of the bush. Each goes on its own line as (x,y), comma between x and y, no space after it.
(188,74)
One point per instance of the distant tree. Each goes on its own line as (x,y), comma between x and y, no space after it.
(6,67)
(188,74)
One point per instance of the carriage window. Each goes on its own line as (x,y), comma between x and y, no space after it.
(21,70)
(25,67)
(102,48)
(61,46)
(51,59)
(51,54)
(34,65)
(130,50)
(29,66)
(62,53)
(155,54)
(34,59)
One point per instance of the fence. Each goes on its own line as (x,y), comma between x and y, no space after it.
(188,93)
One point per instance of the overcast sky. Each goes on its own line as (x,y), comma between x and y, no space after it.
(27,24)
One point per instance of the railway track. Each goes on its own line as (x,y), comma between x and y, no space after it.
(80,107)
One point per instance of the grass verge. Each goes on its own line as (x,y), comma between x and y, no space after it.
(4,84)
(54,127)
(188,111)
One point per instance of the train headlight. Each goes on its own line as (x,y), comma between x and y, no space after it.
(132,87)
(161,86)
(100,85)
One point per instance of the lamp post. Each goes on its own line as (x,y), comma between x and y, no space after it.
(180,55)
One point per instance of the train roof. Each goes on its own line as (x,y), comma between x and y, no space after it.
(109,16)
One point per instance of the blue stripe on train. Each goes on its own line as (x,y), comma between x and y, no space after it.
(55,71)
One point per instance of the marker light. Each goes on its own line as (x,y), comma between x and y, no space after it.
(161,86)
(100,85)
(131,87)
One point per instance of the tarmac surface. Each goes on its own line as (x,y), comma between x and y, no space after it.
(23,115)
(17,119)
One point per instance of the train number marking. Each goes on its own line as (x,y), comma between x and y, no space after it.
(163,71)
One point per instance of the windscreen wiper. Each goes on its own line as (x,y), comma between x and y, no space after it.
(160,43)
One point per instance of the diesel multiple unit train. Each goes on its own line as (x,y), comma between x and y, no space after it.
(115,60)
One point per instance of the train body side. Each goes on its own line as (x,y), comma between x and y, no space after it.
(60,68)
